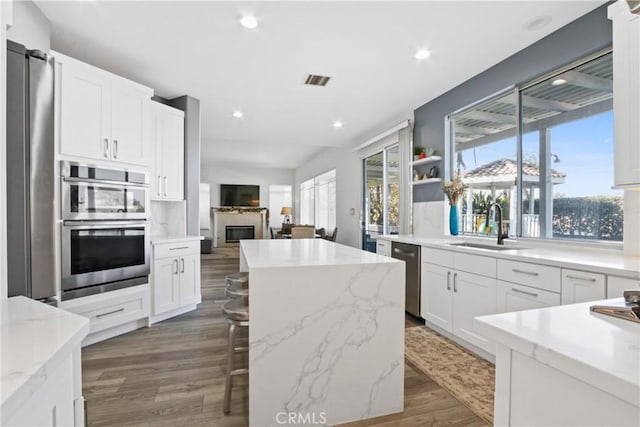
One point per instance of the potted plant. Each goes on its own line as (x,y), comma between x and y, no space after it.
(418,152)
(453,189)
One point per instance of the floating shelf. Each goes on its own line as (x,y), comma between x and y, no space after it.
(426,181)
(426,160)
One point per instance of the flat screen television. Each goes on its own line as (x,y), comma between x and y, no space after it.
(239,195)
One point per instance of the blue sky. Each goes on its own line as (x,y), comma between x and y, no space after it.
(584,147)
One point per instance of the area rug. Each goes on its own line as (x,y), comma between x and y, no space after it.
(468,377)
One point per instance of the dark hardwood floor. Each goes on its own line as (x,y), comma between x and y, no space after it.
(173,373)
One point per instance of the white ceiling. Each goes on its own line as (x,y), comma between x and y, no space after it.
(199,48)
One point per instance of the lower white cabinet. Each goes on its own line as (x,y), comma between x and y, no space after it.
(514,297)
(176,278)
(451,299)
(580,286)
(617,285)
(112,313)
(383,247)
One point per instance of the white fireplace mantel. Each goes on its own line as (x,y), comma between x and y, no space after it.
(237,217)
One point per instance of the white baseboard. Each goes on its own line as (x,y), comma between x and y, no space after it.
(472,348)
(172,313)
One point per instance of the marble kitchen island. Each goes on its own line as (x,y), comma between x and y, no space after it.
(326,334)
(565,366)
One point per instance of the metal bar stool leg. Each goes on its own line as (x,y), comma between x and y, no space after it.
(229,380)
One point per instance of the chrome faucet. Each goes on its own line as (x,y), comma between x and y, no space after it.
(501,235)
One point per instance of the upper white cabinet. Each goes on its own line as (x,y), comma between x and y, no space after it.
(102,116)
(626,94)
(168,140)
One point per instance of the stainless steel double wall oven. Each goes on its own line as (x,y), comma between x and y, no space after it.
(105,229)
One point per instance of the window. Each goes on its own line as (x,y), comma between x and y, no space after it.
(318,200)
(381,195)
(554,153)
(279,197)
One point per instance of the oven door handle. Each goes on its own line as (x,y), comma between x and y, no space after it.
(104,182)
(104,224)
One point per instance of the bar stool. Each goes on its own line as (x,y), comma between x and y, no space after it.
(239,279)
(236,313)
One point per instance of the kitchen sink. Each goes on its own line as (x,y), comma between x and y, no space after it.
(487,247)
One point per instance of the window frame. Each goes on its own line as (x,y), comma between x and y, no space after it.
(517,90)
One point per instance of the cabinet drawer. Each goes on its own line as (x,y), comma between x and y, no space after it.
(617,285)
(383,247)
(106,311)
(580,286)
(166,250)
(512,297)
(481,265)
(535,275)
(437,257)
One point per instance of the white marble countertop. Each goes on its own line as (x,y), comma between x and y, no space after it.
(305,252)
(607,261)
(35,338)
(600,350)
(174,239)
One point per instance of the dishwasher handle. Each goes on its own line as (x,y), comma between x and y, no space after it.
(404,253)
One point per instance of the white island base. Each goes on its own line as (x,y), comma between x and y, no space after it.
(326,332)
(565,366)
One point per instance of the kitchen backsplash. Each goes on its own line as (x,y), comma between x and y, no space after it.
(168,219)
(429,219)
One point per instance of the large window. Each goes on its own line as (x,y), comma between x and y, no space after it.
(549,146)
(318,200)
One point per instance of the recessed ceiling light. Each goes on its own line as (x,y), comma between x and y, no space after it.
(422,54)
(238,114)
(337,124)
(249,21)
(537,23)
(558,82)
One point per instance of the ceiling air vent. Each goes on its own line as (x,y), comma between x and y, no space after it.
(315,80)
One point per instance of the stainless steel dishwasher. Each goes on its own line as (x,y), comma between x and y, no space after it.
(410,254)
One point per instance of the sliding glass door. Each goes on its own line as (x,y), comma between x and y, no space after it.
(381,196)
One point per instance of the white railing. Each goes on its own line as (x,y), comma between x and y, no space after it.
(530,224)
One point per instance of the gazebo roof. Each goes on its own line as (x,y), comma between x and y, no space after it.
(503,172)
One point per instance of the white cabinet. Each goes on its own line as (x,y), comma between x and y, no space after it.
(166,282)
(435,295)
(112,313)
(580,286)
(451,299)
(383,247)
(626,94)
(168,166)
(102,116)
(514,297)
(523,286)
(473,295)
(52,403)
(617,285)
(175,279)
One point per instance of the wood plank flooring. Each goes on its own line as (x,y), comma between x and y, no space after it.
(173,373)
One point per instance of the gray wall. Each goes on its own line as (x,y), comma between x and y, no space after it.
(191,108)
(30,27)
(588,34)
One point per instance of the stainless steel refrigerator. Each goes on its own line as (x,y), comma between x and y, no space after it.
(30,173)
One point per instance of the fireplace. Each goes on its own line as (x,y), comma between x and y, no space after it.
(235,233)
